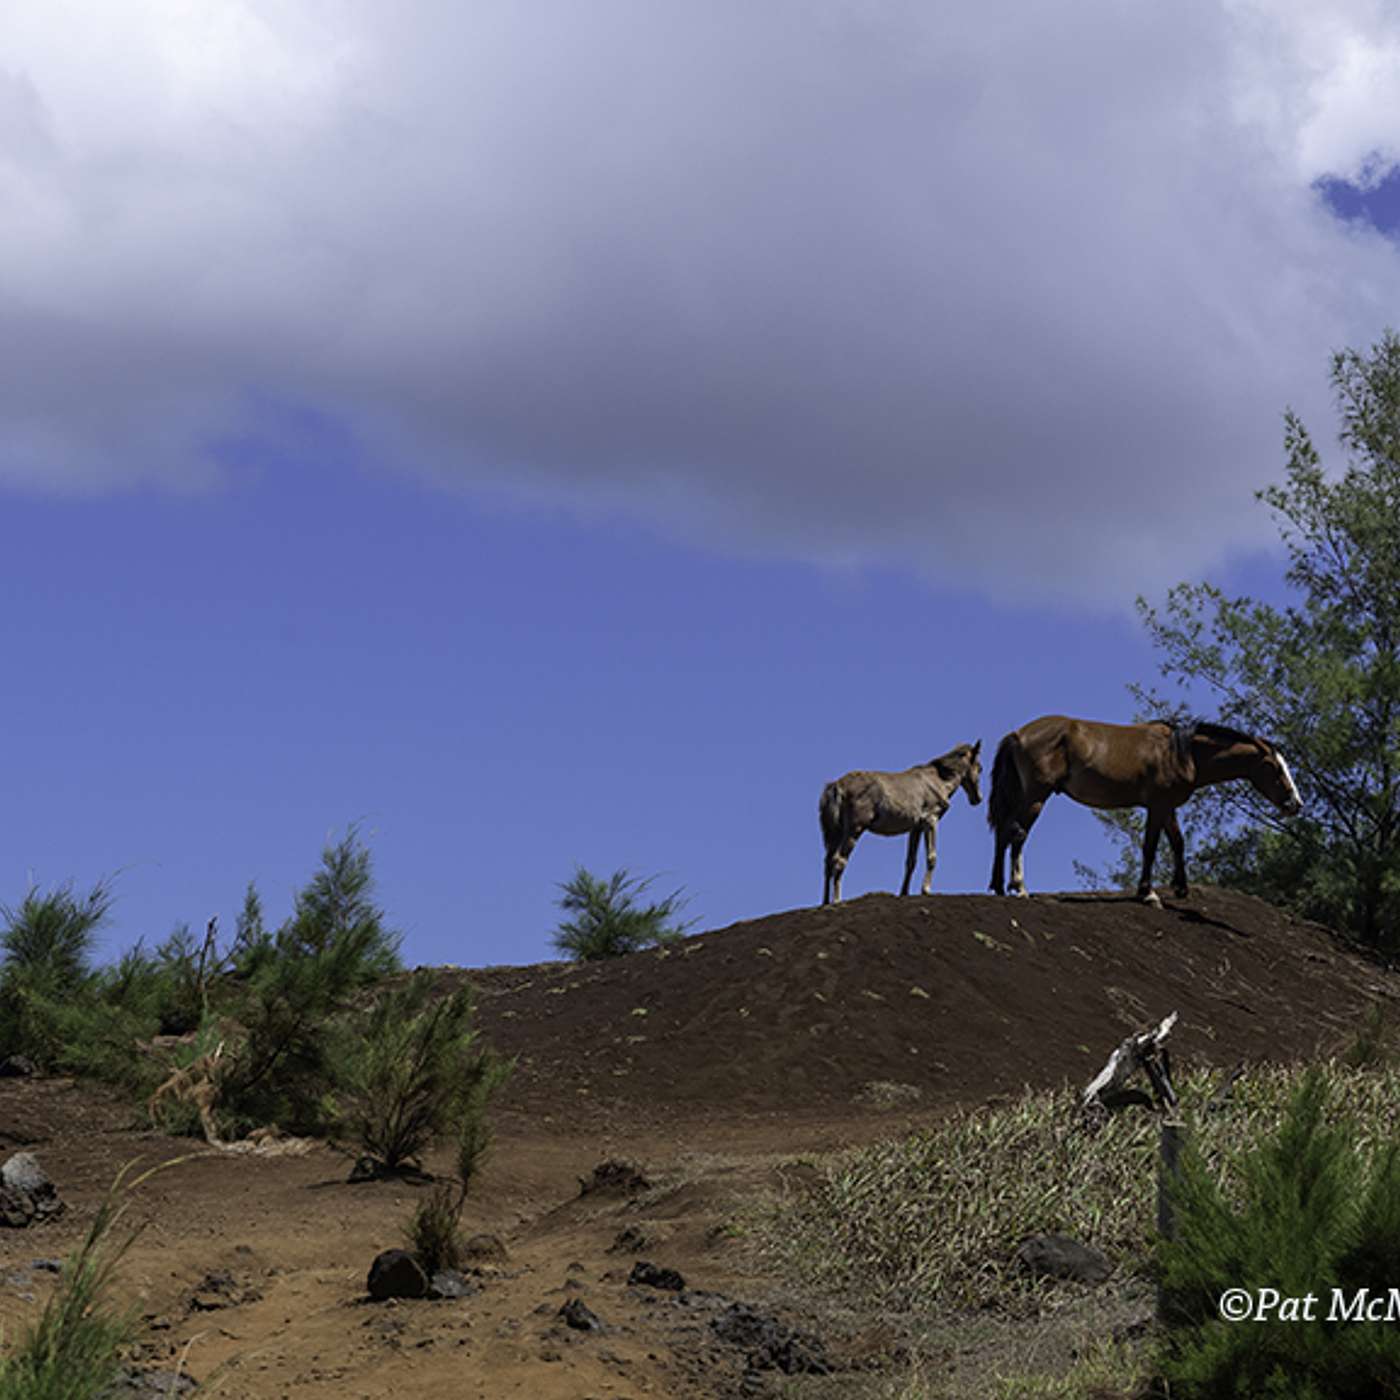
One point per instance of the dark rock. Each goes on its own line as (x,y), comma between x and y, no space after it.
(365,1169)
(1058,1256)
(486,1249)
(770,1345)
(450,1283)
(220,1290)
(614,1178)
(705,1299)
(743,1326)
(16,1209)
(47,1266)
(580,1316)
(651,1276)
(17,1067)
(396,1274)
(26,1193)
(632,1239)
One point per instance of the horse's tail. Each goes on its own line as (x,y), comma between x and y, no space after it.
(831,810)
(1008,793)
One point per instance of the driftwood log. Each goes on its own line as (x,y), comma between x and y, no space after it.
(1145,1051)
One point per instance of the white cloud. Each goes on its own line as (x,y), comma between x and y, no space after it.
(1012,295)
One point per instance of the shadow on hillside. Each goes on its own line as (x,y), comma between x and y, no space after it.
(1183,909)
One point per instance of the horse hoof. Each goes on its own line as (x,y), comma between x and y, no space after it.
(1181,891)
(1151,900)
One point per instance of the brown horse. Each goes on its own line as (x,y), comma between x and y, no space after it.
(1155,765)
(890,804)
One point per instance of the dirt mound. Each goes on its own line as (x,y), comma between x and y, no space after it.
(917,1003)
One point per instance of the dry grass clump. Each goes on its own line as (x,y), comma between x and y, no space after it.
(931,1221)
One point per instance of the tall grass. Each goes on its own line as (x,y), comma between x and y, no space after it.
(74,1350)
(931,1221)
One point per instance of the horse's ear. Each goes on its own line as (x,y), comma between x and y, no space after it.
(977,748)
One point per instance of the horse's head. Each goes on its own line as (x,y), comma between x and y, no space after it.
(1269,776)
(972,779)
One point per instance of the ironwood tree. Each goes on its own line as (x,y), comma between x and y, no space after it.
(1319,674)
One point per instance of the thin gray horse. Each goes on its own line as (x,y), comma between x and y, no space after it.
(890,804)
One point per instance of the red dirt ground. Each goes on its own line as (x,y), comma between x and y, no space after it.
(709,1064)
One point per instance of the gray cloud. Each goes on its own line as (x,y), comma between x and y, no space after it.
(1012,295)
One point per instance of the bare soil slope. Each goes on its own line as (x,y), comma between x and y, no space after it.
(959,996)
(709,1064)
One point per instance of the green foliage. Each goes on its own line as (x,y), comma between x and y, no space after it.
(414,1073)
(76,1021)
(50,935)
(1304,1218)
(294,983)
(1321,676)
(47,942)
(74,1350)
(472,1128)
(274,1004)
(607,920)
(252,943)
(433,1233)
(335,917)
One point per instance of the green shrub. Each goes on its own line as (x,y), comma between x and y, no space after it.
(46,944)
(414,1073)
(290,988)
(433,1233)
(252,942)
(1304,1217)
(607,920)
(52,934)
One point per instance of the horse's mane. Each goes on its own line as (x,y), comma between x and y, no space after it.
(1185,730)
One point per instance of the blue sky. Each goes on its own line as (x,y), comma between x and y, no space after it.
(212,686)
(545,438)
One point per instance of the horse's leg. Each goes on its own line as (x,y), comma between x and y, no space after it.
(1018,842)
(1173,829)
(930,854)
(1145,892)
(832,867)
(998,885)
(909,859)
(839,861)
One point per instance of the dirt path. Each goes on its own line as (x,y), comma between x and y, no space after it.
(255,1266)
